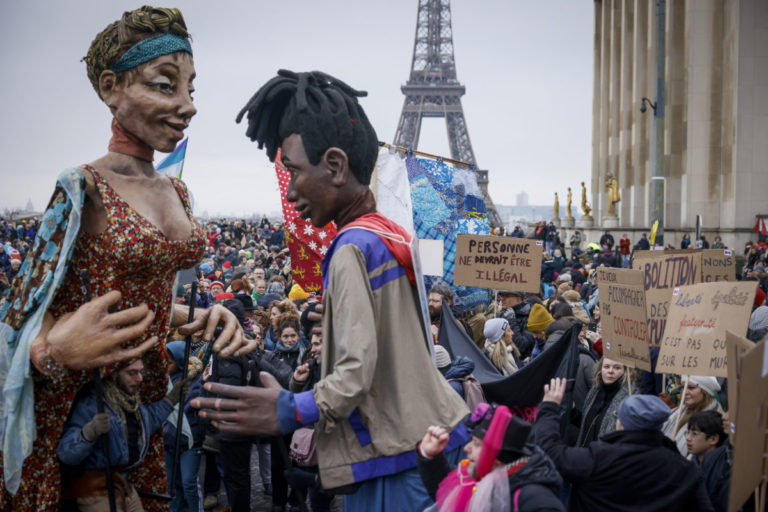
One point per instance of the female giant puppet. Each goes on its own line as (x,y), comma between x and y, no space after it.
(131,229)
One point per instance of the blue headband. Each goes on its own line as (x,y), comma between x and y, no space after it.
(151,48)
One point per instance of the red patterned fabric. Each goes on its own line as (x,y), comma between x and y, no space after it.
(307,243)
(133,256)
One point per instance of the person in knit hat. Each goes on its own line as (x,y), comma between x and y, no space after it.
(621,470)
(538,321)
(499,347)
(699,396)
(758,324)
(502,470)
(297,293)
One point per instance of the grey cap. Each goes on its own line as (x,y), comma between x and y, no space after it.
(643,412)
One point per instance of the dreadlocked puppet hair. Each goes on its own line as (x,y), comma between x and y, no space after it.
(322,109)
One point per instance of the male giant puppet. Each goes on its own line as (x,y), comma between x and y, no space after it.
(380,390)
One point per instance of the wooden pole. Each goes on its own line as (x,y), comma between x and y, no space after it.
(680,405)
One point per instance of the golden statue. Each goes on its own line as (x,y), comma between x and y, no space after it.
(557,207)
(584,204)
(570,202)
(612,184)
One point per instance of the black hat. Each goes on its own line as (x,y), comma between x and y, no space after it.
(236,307)
(306,324)
(515,438)
(510,292)
(247,301)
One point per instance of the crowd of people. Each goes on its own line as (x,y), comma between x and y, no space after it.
(126,388)
(247,270)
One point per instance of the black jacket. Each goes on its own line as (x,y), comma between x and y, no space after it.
(627,470)
(538,481)
(716,470)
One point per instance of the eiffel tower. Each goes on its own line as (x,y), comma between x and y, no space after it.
(434,91)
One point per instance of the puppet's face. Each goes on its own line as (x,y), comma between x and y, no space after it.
(155,102)
(311,187)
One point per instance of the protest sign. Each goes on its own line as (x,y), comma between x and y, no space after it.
(694,336)
(663,271)
(497,262)
(749,461)
(717,265)
(736,346)
(623,316)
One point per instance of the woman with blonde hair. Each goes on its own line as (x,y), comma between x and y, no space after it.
(601,405)
(699,396)
(499,347)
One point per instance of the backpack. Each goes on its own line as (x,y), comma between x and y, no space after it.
(473,391)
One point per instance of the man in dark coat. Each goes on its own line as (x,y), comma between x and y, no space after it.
(607,240)
(634,468)
(515,310)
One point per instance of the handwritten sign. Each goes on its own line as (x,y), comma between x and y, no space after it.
(498,262)
(699,315)
(750,466)
(623,316)
(736,346)
(717,265)
(663,271)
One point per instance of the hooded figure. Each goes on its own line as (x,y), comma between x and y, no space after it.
(502,470)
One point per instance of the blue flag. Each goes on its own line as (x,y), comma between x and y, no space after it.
(173,164)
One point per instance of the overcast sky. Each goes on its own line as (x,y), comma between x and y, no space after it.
(526,65)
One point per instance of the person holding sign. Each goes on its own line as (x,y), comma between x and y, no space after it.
(699,396)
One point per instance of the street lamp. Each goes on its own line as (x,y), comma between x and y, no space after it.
(643,108)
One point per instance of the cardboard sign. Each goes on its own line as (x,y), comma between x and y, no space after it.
(663,271)
(694,336)
(498,262)
(623,316)
(749,463)
(736,346)
(717,265)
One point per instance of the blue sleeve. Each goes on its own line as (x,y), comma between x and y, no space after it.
(157,413)
(73,447)
(295,410)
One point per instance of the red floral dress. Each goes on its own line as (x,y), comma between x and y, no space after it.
(133,256)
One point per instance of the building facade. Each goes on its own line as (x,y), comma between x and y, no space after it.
(715,114)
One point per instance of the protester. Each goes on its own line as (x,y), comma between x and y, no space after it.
(634,468)
(705,433)
(374,368)
(538,321)
(143,243)
(606,241)
(700,396)
(126,425)
(442,293)
(601,405)
(624,250)
(515,310)
(519,477)
(187,495)
(499,347)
